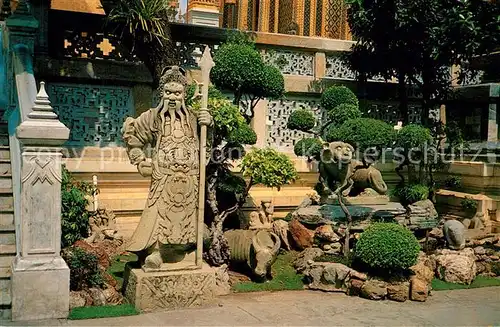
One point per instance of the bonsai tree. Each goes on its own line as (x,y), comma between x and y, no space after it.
(227,191)
(240,69)
(343,123)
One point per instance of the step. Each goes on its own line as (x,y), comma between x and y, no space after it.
(6,203)
(6,250)
(5,168)
(6,260)
(5,297)
(6,219)
(5,272)
(6,182)
(7,228)
(5,313)
(4,152)
(7,237)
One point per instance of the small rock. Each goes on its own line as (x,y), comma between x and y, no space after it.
(374,290)
(76,300)
(457,266)
(454,232)
(306,256)
(398,292)
(98,297)
(355,287)
(327,247)
(490,251)
(302,236)
(436,232)
(326,233)
(112,296)
(335,248)
(495,258)
(419,290)
(479,250)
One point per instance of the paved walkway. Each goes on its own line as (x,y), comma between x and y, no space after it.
(476,307)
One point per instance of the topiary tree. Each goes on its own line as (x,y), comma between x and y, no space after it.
(240,69)
(335,96)
(387,248)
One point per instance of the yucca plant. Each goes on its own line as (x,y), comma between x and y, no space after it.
(143,26)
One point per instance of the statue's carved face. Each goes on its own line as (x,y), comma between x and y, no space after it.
(341,151)
(173,95)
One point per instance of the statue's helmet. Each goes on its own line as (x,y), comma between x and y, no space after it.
(172,74)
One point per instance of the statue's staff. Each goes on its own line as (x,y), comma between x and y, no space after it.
(206,63)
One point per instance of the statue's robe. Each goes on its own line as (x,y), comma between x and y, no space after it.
(171,212)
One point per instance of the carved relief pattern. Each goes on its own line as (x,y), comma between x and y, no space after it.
(278,112)
(42,170)
(334,19)
(79,44)
(291,62)
(176,291)
(336,68)
(94,114)
(184,53)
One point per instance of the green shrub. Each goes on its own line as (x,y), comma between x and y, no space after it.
(409,194)
(334,96)
(308,147)
(453,183)
(268,167)
(342,113)
(272,84)
(213,93)
(244,134)
(412,136)
(74,215)
(468,204)
(363,133)
(84,268)
(301,120)
(387,247)
(495,268)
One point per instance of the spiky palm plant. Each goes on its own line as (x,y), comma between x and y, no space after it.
(143,26)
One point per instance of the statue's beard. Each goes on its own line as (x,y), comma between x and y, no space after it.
(175,112)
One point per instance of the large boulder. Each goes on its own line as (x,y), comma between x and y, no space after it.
(454,232)
(325,233)
(302,236)
(398,292)
(374,290)
(419,289)
(76,299)
(424,268)
(331,276)
(312,215)
(456,266)
(306,257)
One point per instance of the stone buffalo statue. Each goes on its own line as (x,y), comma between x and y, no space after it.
(339,172)
(257,248)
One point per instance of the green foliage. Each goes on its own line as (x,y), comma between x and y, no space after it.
(240,69)
(213,94)
(334,96)
(285,277)
(308,147)
(84,268)
(231,184)
(244,134)
(363,133)
(409,194)
(479,281)
(454,135)
(117,267)
(413,136)
(453,183)
(104,311)
(144,18)
(74,215)
(495,268)
(268,167)
(301,120)
(468,204)
(342,113)
(388,247)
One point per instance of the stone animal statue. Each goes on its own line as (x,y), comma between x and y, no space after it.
(262,219)
(257,248)
(454,233)
(339,172)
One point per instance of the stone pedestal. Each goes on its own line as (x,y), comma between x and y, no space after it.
(150,291)
(40,289)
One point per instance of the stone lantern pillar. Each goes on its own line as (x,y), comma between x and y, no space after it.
(40,277)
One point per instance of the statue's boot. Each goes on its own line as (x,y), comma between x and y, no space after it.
(153,261)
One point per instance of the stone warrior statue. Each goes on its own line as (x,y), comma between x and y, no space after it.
(167,230)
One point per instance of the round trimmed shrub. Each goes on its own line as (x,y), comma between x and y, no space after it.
(412,136)
(363,133)
(244,134)
(409,194)
(334,96)
(342,113)
(308,147)
(387,246)
(301,120)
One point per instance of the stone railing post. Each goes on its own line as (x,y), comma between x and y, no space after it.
(40,277)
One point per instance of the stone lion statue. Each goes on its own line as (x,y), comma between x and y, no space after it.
(339,172)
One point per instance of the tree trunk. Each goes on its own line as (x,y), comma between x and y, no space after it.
(349,224)
(219,252)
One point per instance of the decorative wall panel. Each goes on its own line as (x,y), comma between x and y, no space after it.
(389,112)
(291,62)
(278,111)
(184,52)
(337,68)
(78,44)
(94,114)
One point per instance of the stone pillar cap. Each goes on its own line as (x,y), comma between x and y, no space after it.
(42,126)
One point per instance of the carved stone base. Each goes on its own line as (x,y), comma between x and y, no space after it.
(151,291)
